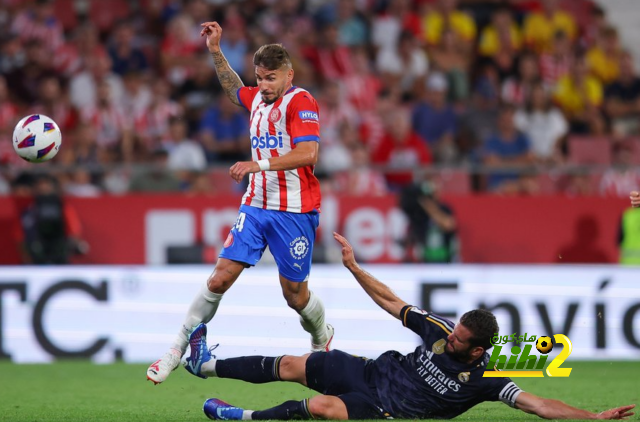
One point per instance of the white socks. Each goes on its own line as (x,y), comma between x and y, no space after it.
(208,369)
(202,309)
(312,320)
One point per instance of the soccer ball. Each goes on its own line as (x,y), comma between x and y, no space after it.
(37,138)
(544,345)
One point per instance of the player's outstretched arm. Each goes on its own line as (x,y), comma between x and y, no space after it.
(635,199)
(555,409)
(228,78)
(378,291)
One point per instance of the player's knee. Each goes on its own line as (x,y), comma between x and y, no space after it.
(292,368)
(328,407)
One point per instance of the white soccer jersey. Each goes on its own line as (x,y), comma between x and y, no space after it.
(275,129)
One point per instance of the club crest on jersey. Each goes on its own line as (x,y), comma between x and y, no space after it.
(464,376)
(299,247)
(275,115)
(438,346)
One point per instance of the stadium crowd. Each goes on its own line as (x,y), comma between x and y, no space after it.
(513,92)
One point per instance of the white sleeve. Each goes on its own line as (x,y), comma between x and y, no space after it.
(510,393)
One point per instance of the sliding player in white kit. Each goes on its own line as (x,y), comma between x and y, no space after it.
(281,206)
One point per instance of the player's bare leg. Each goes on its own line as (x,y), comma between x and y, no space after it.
(202,309)
(311,311)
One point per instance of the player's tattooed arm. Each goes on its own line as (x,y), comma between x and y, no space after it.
(228,78)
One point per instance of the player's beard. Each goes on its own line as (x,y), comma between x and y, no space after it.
(460,355)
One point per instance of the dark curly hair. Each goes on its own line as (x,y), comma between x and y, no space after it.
(483,326)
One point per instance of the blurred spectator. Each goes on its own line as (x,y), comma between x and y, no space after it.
(544,125)
(113,126)
(71,58)
(478,120)
(431,233)
(126,56)
(200,185)
(556,63)
(224,132)
(360,179)
(401,150)
(623,176)
(137,94)
(597,23)
(579,95)
(335,113)
(363,86)
(156,177)
(8,119)
(517,89)
(178,50)
(85,148)
(501,35)
(449,59)
(445,15)
(199,91)
(235,46)
(12,54)
(50,228)
(80,184)
(283,15)
(184,154)
(152,123)
(405,65)
(622,100)
(54,102)
(506,150)
(24,82)
(38,22)
(435,121)
(352,27)
(604,57)
(84,86)
(540,27)
(331,60)
(387,26)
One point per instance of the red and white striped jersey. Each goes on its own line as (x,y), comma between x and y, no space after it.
(275,130)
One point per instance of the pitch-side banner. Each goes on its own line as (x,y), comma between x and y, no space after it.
(133,313)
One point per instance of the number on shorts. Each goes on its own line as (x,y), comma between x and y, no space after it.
(240,222)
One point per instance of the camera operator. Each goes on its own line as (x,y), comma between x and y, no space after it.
(431,235)
(50,227)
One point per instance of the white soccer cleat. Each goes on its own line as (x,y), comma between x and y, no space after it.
(159,370)
(326,346)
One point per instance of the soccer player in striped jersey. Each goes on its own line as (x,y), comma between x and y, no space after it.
(441,379)
(281,206)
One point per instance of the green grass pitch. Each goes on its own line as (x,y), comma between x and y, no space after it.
(81,391)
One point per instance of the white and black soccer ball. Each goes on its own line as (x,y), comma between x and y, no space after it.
(37,138)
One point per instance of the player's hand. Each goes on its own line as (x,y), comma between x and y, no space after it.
(622,412)
(242,168)
(348,258)
(213,32)
(635,198)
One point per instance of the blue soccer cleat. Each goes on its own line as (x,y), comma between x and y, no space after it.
(219,410)
(199,352)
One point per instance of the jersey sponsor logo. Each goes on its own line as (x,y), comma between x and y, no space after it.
(299,247)
(434,377)
(229,240)
(275,115)
(269,141)
(308,116)
(464,376)
(438,346)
